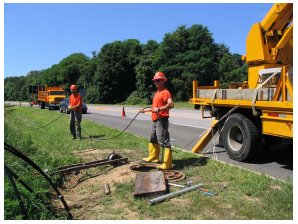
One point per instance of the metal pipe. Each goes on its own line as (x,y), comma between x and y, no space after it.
(187,184)
(167,196)
(176,185)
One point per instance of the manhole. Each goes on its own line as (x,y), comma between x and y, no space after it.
(170,175)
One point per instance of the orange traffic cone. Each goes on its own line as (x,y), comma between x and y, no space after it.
(123,112)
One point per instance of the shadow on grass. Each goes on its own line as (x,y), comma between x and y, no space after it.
(94,136)
(280,153)
(182,163)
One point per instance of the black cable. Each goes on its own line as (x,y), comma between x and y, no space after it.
(14,175)
(104,139)
(18,195)
(24,184)
(38,127)
(49,122)
(36,167)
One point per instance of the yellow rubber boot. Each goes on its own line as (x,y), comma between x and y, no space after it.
(153,153)
(167,160)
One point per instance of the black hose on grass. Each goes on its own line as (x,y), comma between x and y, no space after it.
(25,185)
(40,126)
(17,194)
(104,139)
(22,156)
(15,176)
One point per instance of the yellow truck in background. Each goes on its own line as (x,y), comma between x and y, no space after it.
(49,97)
(259,111)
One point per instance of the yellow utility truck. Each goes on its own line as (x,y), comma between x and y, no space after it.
(49,97)
(257,112)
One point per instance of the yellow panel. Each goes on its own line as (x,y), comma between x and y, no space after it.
(255,45)
(278,128)
(277,123)
(253,76)
(205,139)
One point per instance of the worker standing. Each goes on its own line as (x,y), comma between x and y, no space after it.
(162,103)
(75,107)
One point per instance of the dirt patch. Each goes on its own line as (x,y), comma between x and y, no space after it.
(251,199)
(84,190)
(275,187)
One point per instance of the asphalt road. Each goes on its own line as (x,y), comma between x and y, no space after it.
(185,128)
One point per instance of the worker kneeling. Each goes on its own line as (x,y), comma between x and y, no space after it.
(162,103)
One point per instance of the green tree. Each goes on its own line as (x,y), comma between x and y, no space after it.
(231,69)
(145,70)
(13,88)
(115,75)
(69,68)
(185,55)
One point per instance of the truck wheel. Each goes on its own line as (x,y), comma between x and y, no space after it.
(43,105)
(197,107)
(240,137)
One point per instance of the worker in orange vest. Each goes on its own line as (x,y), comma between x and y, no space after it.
(162,103)
(75,107)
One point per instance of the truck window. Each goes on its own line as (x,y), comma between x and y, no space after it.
(56,93)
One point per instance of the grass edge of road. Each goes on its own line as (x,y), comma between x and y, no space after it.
(247,195)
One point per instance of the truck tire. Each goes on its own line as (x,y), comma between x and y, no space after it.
(43,105)
(240,137)
(197,107)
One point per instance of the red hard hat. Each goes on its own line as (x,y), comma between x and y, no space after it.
(73,87)
(159,75)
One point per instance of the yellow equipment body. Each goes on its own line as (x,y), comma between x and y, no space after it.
(263,105)
(50,96)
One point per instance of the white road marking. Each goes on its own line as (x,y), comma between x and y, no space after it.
(187,125)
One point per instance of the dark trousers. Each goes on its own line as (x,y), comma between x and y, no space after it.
(160,134)
(75,120)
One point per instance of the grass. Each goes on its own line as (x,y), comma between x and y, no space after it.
(184,105)
(246,195)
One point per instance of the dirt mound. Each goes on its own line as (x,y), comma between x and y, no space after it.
(84,189)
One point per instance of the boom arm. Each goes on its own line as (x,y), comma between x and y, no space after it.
(270,42)
(268,37)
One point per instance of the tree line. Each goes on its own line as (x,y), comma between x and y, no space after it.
(122,71)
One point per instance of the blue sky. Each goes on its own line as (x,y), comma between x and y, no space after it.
(36,36)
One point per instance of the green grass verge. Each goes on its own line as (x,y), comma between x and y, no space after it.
(246,196)
(184,105)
